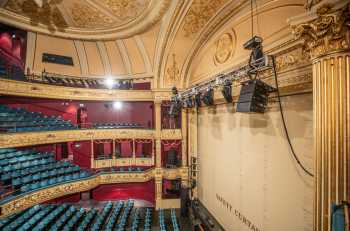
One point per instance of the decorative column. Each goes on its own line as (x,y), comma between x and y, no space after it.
(325,31)
(158,115)
(158,178)
(192,150)
(92,159)
(184,137)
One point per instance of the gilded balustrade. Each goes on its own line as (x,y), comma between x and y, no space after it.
(27,200)
(21,139)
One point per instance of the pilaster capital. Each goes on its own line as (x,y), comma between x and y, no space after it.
(324,29)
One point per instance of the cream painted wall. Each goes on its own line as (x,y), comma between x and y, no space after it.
(245,160)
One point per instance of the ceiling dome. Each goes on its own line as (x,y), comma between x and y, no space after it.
(84,19)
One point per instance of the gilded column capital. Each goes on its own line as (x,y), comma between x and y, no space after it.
(325,29)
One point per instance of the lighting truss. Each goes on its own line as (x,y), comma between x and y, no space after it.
(262,64)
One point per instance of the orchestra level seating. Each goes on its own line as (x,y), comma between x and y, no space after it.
(22,171)
(21,120)
(118,215)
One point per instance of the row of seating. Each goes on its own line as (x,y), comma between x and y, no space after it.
(174,222)
(125,216)
(148,220)
(82,82)
(162,224)
(124,170)
(101,218)
(113,216)
(21,120)
(26,170)
(116,125)
(29,171)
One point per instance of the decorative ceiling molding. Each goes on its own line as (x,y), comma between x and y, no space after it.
(218,23)
(145,56)
(125,56)
(169,29)
(94,24)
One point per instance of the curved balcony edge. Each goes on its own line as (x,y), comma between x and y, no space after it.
(37,90)
(21,139)
(24,201)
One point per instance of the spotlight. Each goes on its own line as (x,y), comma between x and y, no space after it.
(197,99)
(175,107)
(109,82)
(117,105)
(257,57)
(208,97)
(227,91)
(189,102)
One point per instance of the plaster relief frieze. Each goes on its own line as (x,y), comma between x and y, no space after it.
(21,139)
(224,48)
(199,14)
(329,31)
(37,197)
(87,16)
(48,14)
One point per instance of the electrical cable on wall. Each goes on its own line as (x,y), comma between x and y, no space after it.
(284,122)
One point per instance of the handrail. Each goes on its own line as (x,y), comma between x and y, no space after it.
(18,203)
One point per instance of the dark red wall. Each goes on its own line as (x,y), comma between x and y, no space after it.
(12,49)
(141,191)
(81,151)
(98,112)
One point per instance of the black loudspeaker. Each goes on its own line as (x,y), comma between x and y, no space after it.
(171,160)
(185,201)
(253,96)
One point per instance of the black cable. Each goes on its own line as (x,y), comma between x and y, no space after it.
(252,16)
(284,122)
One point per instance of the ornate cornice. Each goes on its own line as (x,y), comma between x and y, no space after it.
(91,16)
(40,196)
(171,134)
(21,139)
(325,30)
(19,88)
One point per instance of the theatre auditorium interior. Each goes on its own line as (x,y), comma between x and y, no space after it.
(175,115)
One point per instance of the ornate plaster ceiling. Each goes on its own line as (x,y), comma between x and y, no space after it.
(84,19)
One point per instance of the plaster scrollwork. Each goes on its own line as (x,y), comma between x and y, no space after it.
(33,138)
(30,199)
(329,31)
(224,48)
(199,14)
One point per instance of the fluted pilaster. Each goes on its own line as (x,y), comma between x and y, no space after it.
(326,35)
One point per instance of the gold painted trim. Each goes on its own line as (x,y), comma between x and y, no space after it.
(21,139)
(18,88)
(53,192)
(151,16)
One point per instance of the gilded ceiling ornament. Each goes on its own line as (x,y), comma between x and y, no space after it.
(46,13)
(173,72)
(126,9)
(225,46)
(330,31)
(86,16)
(199,14)
(310,3)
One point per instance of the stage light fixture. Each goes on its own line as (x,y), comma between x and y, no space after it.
(189,102)
(117,105)
(208,97)
(197,99)
(227,91)
(109,82)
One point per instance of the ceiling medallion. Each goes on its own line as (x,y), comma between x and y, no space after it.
(225,47)
(88,20)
